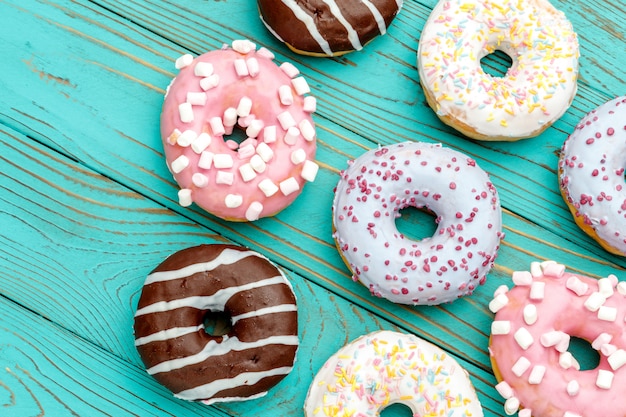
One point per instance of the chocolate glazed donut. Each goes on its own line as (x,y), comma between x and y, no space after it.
(327,27)
(170,335)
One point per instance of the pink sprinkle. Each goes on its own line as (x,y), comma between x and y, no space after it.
(452,185)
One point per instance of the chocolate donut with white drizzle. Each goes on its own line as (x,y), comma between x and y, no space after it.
(170,335)
(327,27)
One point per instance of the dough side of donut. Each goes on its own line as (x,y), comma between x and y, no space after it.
(258,351)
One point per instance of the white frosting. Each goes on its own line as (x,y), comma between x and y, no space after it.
(591,168)
(536,90)
(386,367)
(437,269)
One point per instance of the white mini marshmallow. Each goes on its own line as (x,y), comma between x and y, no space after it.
(264,151)
(269,134)
(301,86)
(217,127)
(203,69)
(253,67)
(292,135)
(520,366)
(607,313)
(530,314)
(206,160)
(551,338)
(186,138)
(233,200)
(172,139)
(183,61)
(536,375)
(257,163)
(617,359)
(309,170)
(179,164)
(525,412)
(523,338)
(286,120)
(504,389)
(537,290)
(310,104)
(613,280)
(224,177)
(241,68)
(621,287)
(535,269)
(210,82)
(289,69)
(605,287)
(185,112)
(499,327)
(563,344)
(566,360)
(230,117)
(202,141)
(184,197)
(268,187)
(244,107)
(574,283)
(602,339)
(200,180)
(263,51)
(243,46)
(573,388)
(498,302)
(254,128)
(522,278)
(223,161)
(608,349)
(511,406)
(247,172)
(502,289)
(594,302)
(298,156)
(604,379)
(553,269)
(285,95)
(307,129)
(288,186)
(196,99)
(570,414)
(254,211)
(245,152)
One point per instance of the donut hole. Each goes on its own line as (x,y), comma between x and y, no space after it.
(416,223)
(496,64)
(588,358)
(217,323)
(397,410)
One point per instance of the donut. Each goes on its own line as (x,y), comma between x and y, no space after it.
(239,90)
(256,353)
(327,28)
(535,91)
(591,175)
(531,332)
(387,367)
(455,260)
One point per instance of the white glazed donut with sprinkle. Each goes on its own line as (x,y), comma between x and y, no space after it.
(535,92)
(530,337)
(239,88)
(379,184)
(386,367)
(591,175)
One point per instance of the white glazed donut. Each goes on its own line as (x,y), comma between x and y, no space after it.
(385,367)
(378,185)
(591,173)
(536,90)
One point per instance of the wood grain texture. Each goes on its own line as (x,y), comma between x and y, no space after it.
(88,206)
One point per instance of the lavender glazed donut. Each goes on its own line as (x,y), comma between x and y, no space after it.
(450,264)
(170,336)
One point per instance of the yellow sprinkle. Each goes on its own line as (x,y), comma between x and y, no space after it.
(503,123)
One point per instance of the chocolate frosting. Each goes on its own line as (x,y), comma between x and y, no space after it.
(253,356)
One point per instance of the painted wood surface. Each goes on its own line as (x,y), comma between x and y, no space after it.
(88,207)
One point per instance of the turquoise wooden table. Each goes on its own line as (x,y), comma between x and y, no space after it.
(88,208)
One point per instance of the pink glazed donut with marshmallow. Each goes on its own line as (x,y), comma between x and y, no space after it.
(530,336)
(239,87)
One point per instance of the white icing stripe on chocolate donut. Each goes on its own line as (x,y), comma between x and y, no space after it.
(216,301)
(263,311)
(248,378)
(380,20)
(302,16)
(353,36)
(172,333)
(214,348)
(227,257)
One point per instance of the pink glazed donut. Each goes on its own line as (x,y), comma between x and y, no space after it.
(452,263)
(239,87)
(530,336)
(591,175)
